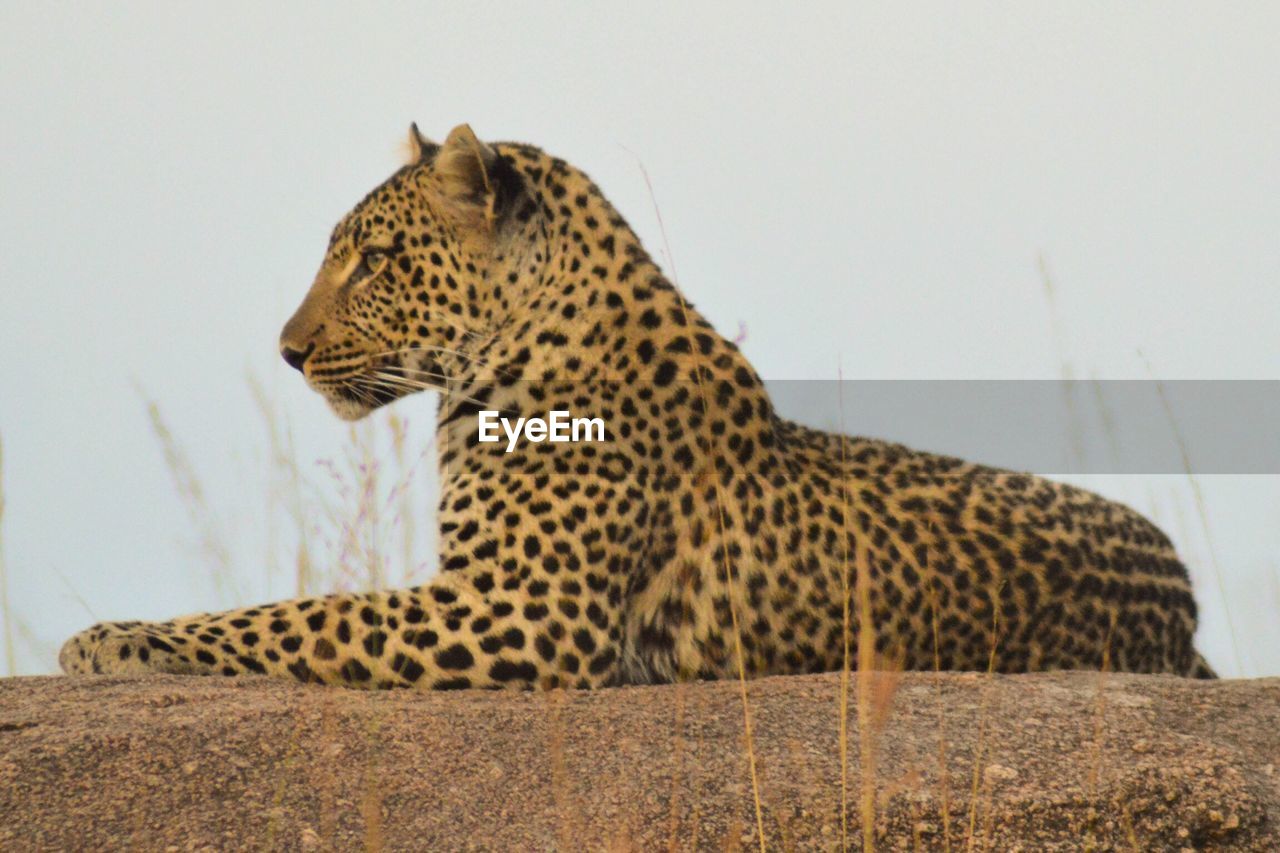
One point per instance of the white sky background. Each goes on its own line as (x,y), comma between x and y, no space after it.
(864,187)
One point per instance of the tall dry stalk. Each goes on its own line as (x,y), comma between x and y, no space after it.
(285,768)
(739,653)
(1107,418)
(877,685)
(1066,368)
(338,531)
(845,593)
(1067,373)
(567,825)
(877,680)
(287,491)
(365,512)
(191,492)
(944,797)
(724,544)
(404,508)
(677,769)
(370,469)
(10,654)
(875,699)
(1094,779)
(371,811)
(979,750)
(867,716)
(1202,511)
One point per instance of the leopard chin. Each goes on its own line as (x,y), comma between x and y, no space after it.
(352,401)
(349,410)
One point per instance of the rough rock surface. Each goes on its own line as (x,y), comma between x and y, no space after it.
(1039,762)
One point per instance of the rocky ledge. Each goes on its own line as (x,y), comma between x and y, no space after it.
(1033,762)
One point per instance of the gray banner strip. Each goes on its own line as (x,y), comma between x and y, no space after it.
(1057,427)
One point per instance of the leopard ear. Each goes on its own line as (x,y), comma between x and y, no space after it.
(464,165)
(420,148)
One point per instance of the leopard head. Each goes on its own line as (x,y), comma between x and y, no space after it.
(415,277)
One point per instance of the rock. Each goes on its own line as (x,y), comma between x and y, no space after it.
(1031,762)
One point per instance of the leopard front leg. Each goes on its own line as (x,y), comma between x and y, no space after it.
(129,648)
(446,635)
(530,595)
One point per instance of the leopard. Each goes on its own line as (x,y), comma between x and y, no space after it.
(707,537)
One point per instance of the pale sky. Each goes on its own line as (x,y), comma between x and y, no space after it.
(867,189)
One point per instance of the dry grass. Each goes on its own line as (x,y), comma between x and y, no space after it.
(1076,434)
(979,752)
(1066,370)
(729,574)
(566,812)
(212,540)
(347,516)
(845,629)
(877,677)
(944,789)
(1094,781)
(1202,512)
(371,811)
(10,653)
(285,491)
(292,753)
(341,523)
(677,775)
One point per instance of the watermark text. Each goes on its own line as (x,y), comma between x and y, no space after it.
(557,426)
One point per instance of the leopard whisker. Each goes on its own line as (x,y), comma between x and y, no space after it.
(411,384)
(356,387)
(403,373)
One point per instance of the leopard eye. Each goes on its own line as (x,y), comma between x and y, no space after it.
(362,270)
(371,262)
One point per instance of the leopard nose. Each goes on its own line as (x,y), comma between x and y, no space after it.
(295,358)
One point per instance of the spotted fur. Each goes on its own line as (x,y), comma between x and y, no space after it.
(708,532)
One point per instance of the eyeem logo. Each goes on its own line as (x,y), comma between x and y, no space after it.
(557,426)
